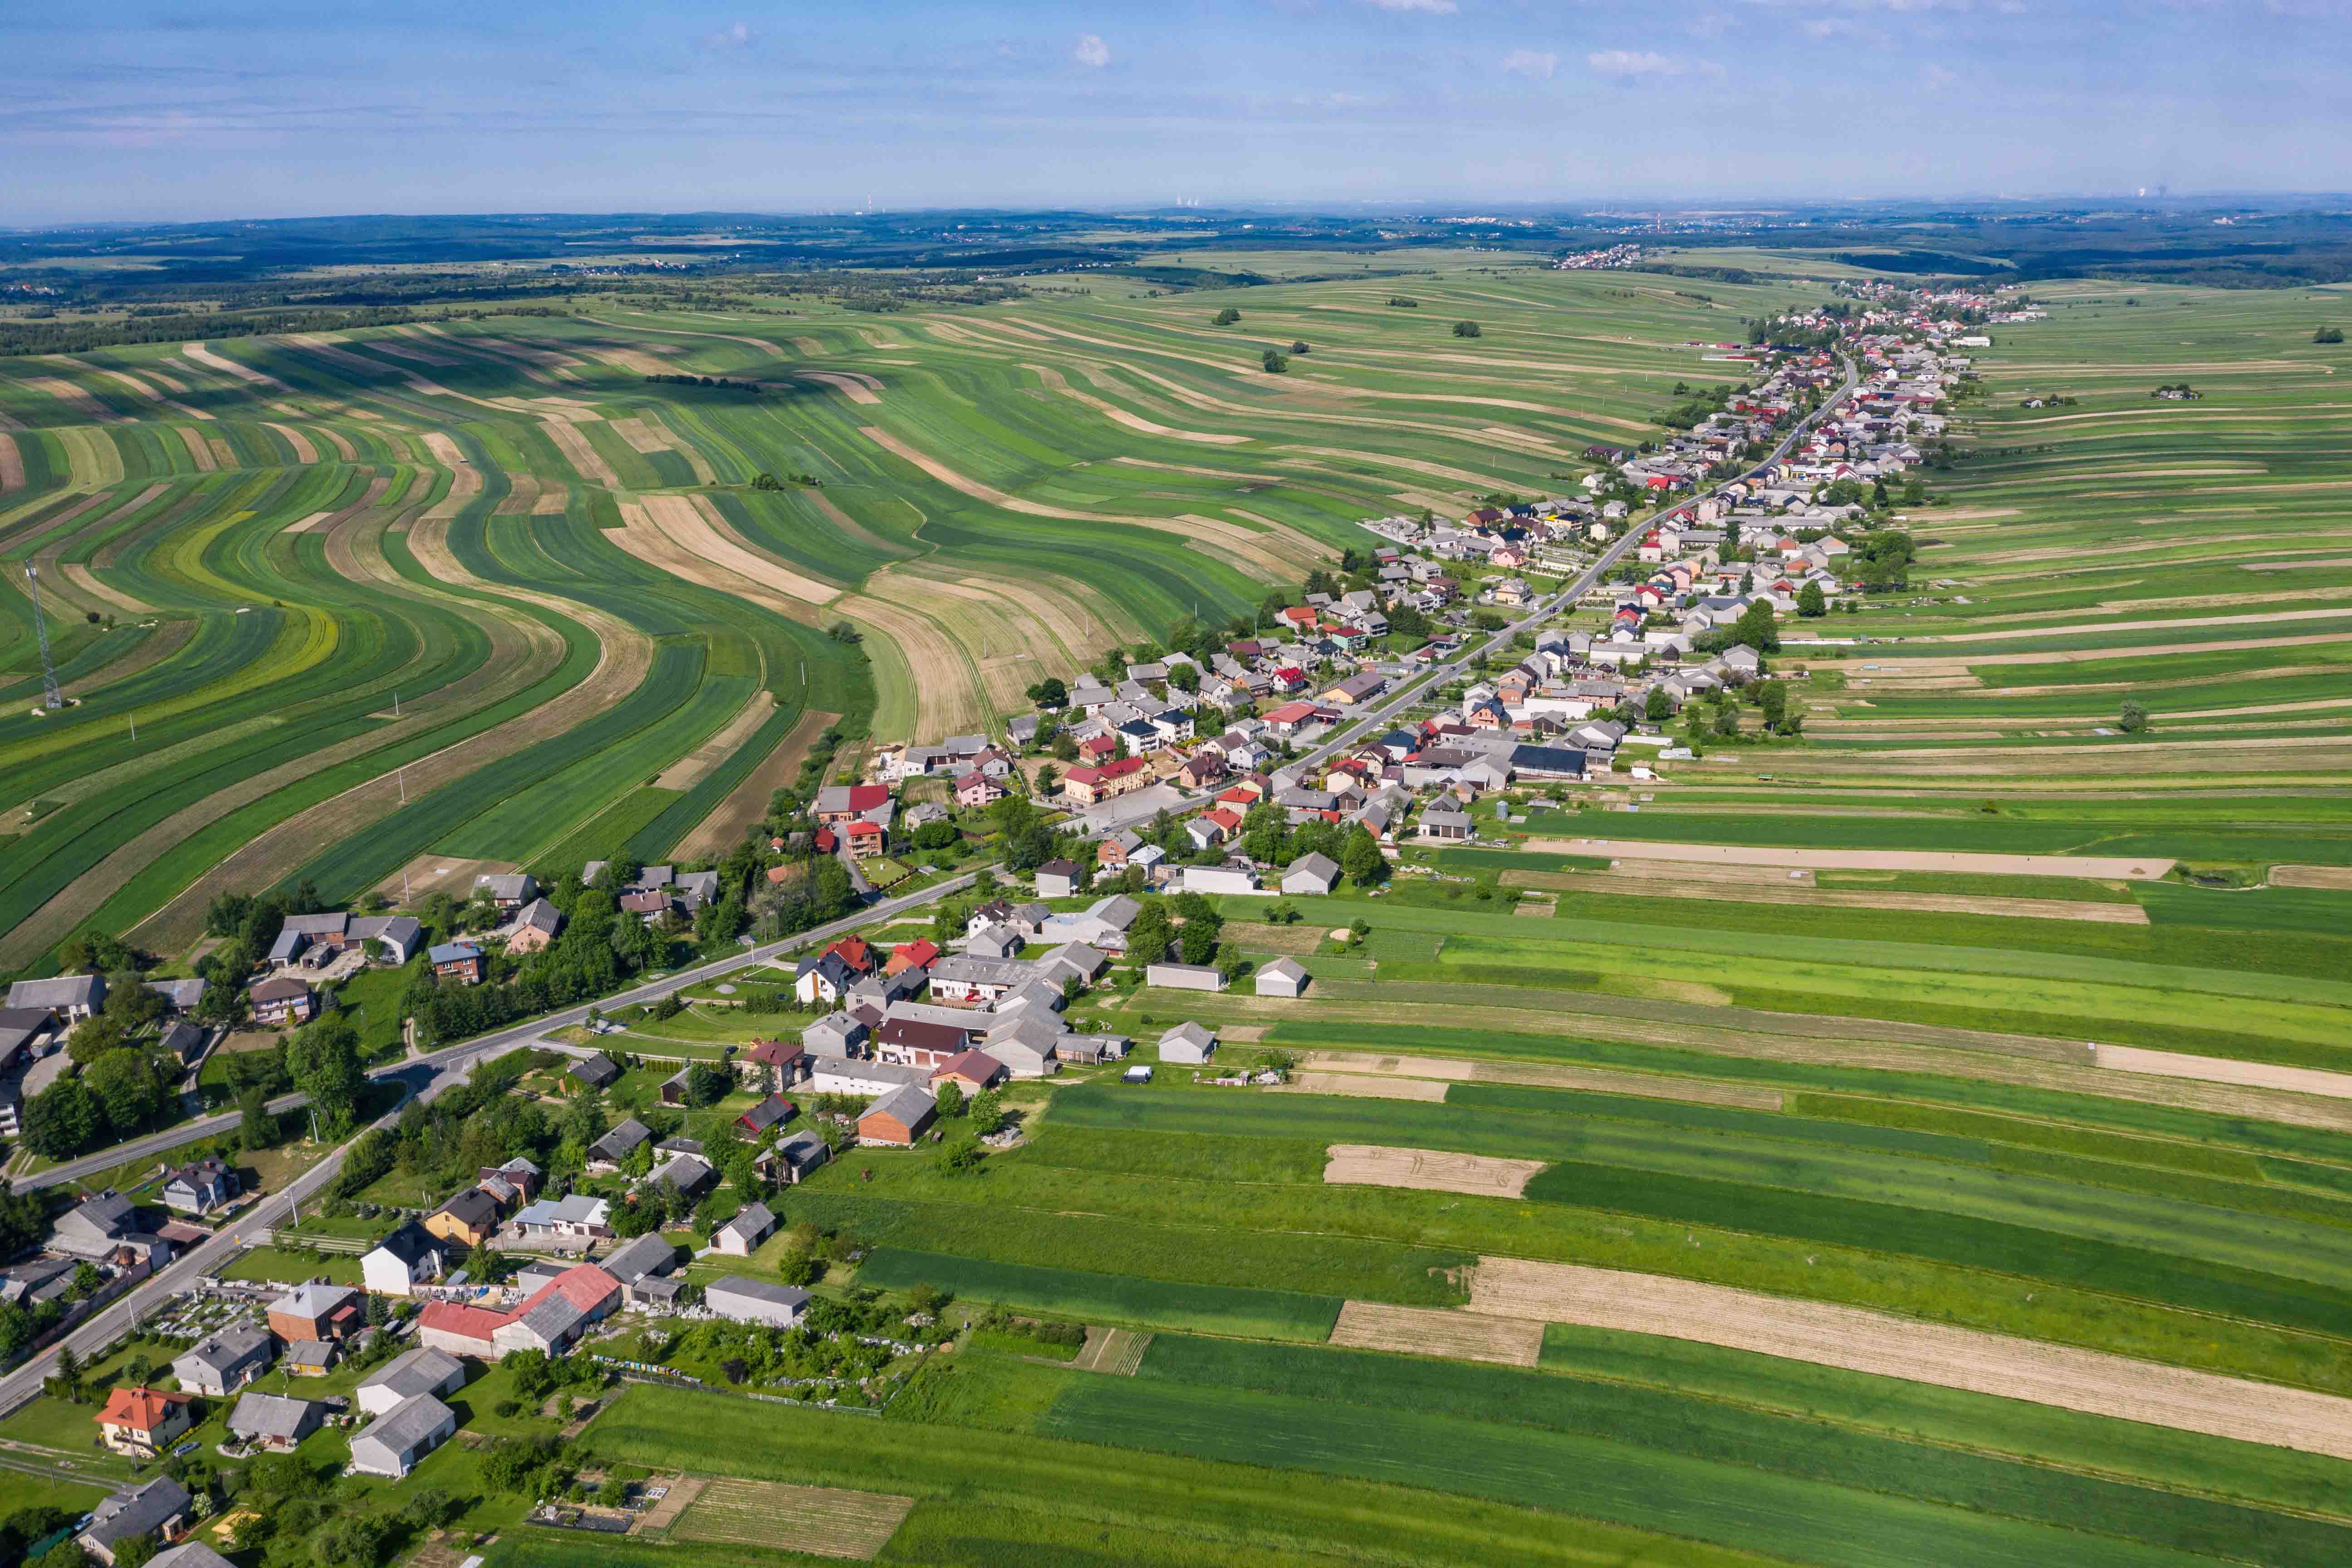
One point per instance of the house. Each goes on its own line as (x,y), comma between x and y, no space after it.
(185,1041)
(971,1071)
(824,977)
(908,957)
(688,1176)
(678,1087)
(508,890)
(273,1422)
(579,1217)
(142,1422)
(1111,853)
(179,995)
(468,1220)
(899,1117)
(68,998)
(770,1114)
(391,1443)
(867,839)
(317,1311)
(189,1554)
(95,1228)
(409,1256)
(1310,873)
(743,1300)
(282,999)
(1188,1043)
(534,926)
(642,1266)
(965,977)
(458,960)
(225,1362)
(1091,786)
(156,1512)
(1057,879)
(1282,977)
(512,1183)
(794,1156)
(422,1371)
(310,1358)
(200,1187)
(865,1077)
(773,1064)
(837,803)
(741,1235)
(596,1072)
(605,1155)
(1356,688)
(550,1320)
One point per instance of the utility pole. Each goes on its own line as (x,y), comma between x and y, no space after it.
(51,697)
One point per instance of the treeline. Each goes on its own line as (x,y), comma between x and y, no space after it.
(33,337)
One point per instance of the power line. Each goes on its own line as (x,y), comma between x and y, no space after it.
(51,697)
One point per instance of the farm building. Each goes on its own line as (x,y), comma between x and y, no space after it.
(1311,874)
(747,1300)
(794,1156)
(310,1358)
(741,1235)
(899,1117)
(273,1422)
(1282,977)
(396,1440)
(593,1072)
(1189,1044)
(420,1370)
(1185,976)
(1231,880)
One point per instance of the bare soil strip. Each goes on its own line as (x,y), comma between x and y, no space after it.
(703,472)
(1889,1346)
(747,803)
(2224,1070)
(580,454)
(1356,1087)
(203,354)
(1427,1170)
(949,699)
(12,466)
(1426,1330)
(198,452)
(1117,416)
(77,399)
(140,389)
(639,437)
(695,767)
(852,387)
(464,479)
(2143,871)
(304,452)
(82,577)
(695,522)
(2339,878)
(825,1521)
(1550,1075)
(1766,891)
(638,535)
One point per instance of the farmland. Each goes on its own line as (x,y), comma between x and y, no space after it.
(481,589)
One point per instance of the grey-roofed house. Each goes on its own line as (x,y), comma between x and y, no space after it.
(179,995)
(740,1237)
(272,1421)
(71,997)
(1282,977)
(189,1554)
(156,1510)
(185,1041)
(1073,960)
(420,1370)
(395,1441)
(398,935)
(747,1300)
(835,1034)
(95,1227)
(1188,1043)
(200,1186)
(1311,873)
(225,1361)
(593,1072)
(688,1176)
(794,1156)
(642,1257)
(509,891)
(605,1155)
(1057,879)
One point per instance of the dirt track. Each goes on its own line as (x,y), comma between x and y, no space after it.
(1890,1346)
(1424,1330)
(1427,1170)
(2145,870)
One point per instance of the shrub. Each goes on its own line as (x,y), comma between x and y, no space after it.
(1225,318)
(1466,330)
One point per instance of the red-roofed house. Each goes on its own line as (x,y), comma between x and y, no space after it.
(825,842)
(1230,821)
(976,789)
(854,951)
(1089,785)
(867,839)
(920,954)
(140,1421)
(1289,678)
(859,800)
(773,1064)
(974,1070)
(1101,749)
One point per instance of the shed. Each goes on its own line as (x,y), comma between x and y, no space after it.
(1185,976)
(741,1235)
(1314,874)
(395,1441)
(420,1370)
(1282,977)
(743,1300)
(1189,1044)
(899,1117)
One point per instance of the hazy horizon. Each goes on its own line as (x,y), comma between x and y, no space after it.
(144,113)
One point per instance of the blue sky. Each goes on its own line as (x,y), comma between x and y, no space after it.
(250,108)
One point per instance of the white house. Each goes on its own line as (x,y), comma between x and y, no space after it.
(409,1256)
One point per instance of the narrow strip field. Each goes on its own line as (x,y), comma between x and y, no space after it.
(1424,1330)
(1428,1170)
(824,1521)
(1875,1342)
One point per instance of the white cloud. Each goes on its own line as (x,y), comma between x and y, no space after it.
(1709,24)
(739,36)
(1091,51)
(1433,7)
(1531,63)
(1631,62)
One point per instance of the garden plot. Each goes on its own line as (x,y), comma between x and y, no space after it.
(1425,1330)
(1428,1170)
(825,1522)
(1889,1346)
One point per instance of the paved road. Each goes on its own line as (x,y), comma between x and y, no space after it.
(419,1070)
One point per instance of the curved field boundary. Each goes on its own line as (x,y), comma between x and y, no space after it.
(1430,1331)
(203,353)
(747,803)
(1889,1346)
(695,767)
(1427,1171)
(2145,870)
(695,525)
(856,388)
(1117,416)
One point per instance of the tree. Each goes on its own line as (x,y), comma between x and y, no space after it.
(1758,627)
(324,1058)
(1225,318)
(61,1121)
(124,1084)
(1274,361)
(951,1101)
(1050,692)
(2328,335)
(2134,719)
(987,1113)
(1466,330)
(1772,698)
(961,1156)
(1812,603)
(1657,708)
(1360,857)
(1197,943)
